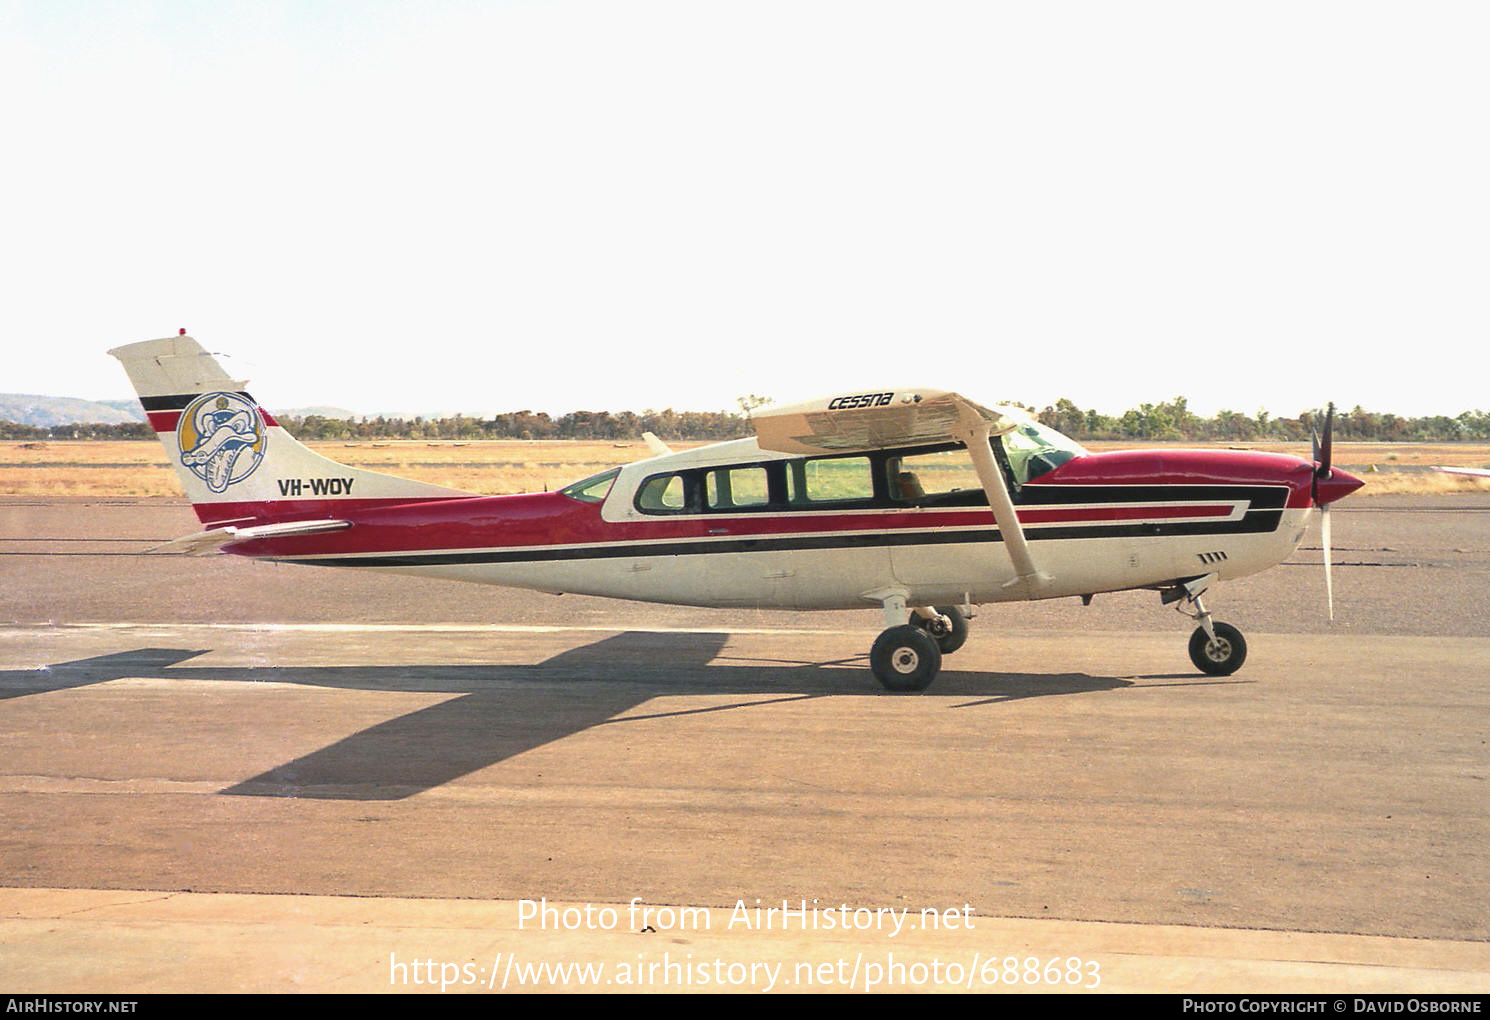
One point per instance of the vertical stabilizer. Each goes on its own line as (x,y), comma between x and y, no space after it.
(236,464)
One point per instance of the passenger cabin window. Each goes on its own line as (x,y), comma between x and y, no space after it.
(736,488)
(662,494)
(830,480)
(925,477)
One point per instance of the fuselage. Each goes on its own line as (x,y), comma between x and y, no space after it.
(731,525)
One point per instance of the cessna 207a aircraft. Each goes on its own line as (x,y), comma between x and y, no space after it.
(919,501)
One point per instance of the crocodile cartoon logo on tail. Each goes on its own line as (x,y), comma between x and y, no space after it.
(222,439)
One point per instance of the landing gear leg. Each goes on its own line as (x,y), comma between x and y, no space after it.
(904,657)
(947,624)
(1216,648)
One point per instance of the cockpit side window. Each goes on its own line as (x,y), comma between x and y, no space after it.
(932,477)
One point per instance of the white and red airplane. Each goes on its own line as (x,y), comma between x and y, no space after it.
(919,501)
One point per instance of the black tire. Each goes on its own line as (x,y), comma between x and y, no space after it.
(1222,658)
(954,638)
(905,658)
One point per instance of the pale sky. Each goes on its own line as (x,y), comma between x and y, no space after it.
(630,204)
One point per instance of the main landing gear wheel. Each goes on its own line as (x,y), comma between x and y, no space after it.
(1221,657)
(905,658)
(948,639)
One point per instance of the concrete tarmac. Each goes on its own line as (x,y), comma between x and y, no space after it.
(224,775)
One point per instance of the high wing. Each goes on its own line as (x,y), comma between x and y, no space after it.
(871,421)
(1472,472)
(885,419)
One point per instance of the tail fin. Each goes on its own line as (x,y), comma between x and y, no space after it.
(237,465)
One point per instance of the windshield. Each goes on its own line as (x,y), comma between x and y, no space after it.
(592,489)
(1034,449)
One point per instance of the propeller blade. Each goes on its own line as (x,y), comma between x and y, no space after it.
(1327,446)
(1314,456)
(1329,581)
(1322,452)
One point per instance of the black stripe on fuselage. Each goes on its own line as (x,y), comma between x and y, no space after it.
(1260,497)
(178,401)
(1263,516)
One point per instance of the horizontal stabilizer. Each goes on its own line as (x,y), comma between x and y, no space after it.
(204,542)
(657,446)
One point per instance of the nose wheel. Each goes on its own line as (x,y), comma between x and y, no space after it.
(1219,654)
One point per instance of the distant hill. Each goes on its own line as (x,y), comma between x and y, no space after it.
(306,412)
(129,405)
(44,412)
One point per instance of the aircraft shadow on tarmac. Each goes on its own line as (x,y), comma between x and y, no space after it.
(498,711)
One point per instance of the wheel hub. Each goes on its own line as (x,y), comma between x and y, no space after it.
(905,660)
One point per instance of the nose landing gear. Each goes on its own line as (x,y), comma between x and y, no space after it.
(1217,649)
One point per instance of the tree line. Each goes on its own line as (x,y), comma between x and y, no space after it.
(1167,421)
(1174,420)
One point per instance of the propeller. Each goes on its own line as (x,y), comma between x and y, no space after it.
(1322,453)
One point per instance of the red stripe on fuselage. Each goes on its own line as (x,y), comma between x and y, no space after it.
(1100,514)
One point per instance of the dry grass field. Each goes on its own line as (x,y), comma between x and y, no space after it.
(140,468)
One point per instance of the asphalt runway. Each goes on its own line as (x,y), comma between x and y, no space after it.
(208,755)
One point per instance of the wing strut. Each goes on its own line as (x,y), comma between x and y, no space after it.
(975,431)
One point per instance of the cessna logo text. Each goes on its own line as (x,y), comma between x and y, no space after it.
(861,400)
